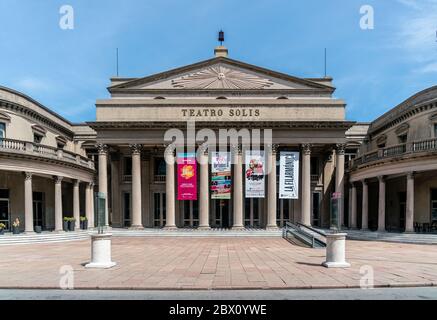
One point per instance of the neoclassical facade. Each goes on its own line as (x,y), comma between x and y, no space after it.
(393,183)
(383,172)
(45,173)
(219,93)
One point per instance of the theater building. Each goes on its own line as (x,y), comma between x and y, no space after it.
(219,93)
(383,172)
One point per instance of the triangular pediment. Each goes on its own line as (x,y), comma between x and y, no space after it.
(219,74)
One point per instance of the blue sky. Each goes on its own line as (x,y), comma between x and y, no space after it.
(67,70)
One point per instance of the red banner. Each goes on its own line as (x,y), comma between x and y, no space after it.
(187,176)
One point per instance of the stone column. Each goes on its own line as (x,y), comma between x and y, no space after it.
(89,199)
(365,211)
(76,208)
(339,179)
(92,222)
(409,216)
(103,176)
(381,204)
(58,204)
(353,221)
(28,203)
(170,188)
(204,190)
(238,187)
(136,187)
(271,212)
(306,185)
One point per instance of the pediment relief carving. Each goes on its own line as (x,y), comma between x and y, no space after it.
(221,77)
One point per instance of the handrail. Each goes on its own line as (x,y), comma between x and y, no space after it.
(312,229)
(45,150)
(301,234)
(412,147)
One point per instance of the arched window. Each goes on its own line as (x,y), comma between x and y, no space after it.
(159,98)
(282,98)
(221,98)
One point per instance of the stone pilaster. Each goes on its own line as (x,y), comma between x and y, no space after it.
(238,187)
(306,185)
(76,209)
(409,216)
(136,187)
(170,188)
(365,204)
(339,178)
(103,176)
(353,215)
(28,203)
(58,204)
(381,204)
(272,196)
(204,189)
(89,201)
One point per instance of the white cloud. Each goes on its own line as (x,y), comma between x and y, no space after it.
(429,68)
(32,84)
(417,33)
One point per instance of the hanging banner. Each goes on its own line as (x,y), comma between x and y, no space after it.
(220,175)
(255,174)
(187,176)
(288,175)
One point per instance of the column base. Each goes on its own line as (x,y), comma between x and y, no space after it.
(204,228)
(100,265)
(59,231)
(237,228)
(336,264)
(171,228)
(29,232)
(272,228)
(139,227)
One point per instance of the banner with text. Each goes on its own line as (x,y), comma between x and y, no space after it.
(187,176)
(255,174)
(288,175)
(220,175)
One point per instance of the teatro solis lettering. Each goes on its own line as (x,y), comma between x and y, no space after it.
(233,112)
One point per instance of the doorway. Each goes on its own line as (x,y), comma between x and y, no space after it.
(5,217)
(402,209)
(38,209)
(221,213)
(127,205)
(252,211)
(190,213)
(159,210)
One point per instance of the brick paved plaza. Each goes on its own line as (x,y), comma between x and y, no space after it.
(215,263)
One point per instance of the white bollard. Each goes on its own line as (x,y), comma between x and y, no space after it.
(101,251)
(336,251)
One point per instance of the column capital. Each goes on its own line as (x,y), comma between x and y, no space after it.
(340,148)
(102,148)
(381,178)
(306,148)
(364,182)
(410,175)
(169,150)
(91,184)
(236,148)
(58,179)
(203,148)
(27,175)
(273,147)
(135,148)
(76,182)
